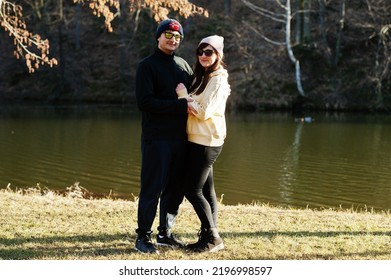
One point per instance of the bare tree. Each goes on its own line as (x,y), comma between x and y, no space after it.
(227,7)
(285,18)
(303,27)
(341,26)
(381,30)
(324,45)
(383,61)
(35,50)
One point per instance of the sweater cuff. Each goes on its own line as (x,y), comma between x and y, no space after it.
(183,105)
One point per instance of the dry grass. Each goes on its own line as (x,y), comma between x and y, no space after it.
(40,224)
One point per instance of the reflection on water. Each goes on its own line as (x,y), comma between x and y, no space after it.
(289,167)
(334,160)
(57,147)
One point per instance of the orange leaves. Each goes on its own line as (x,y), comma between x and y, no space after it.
(107,8)
(29,46)
(35,50)
(159,8)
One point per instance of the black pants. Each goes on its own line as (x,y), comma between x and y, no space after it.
(199,182)
(162,170)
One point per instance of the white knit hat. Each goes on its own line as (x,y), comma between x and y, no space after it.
(217,42)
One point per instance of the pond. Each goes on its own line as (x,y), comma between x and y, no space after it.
(322,160)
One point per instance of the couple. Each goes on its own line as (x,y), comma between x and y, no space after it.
(183,131)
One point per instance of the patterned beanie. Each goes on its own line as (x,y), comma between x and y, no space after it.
(169,24)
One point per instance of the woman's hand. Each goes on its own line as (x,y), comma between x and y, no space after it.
(181,91)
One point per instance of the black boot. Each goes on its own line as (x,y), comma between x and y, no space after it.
(210,243)
(202,236)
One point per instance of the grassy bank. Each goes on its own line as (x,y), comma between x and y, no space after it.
(36,225)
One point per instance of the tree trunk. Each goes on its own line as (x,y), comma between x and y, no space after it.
(77,28)
(227,8)
(340,33)
(306,21)
(299,24)
(324,46)
(122,55)
(289,47)
(303,27)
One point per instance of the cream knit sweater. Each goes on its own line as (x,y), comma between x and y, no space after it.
(208,126)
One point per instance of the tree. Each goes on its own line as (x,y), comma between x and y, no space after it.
(382,61)
(35,50)
(285,18)
(29,46)
(303,27)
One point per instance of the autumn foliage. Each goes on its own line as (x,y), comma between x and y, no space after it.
(29,46)
(35,50)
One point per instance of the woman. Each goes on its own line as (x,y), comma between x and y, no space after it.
(206,129)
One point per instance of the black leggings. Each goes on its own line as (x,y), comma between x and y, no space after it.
(200,189)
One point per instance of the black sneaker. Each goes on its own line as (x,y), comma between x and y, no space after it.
(170,241)
(209,245)
(145,245)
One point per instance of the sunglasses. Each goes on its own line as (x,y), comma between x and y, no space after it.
(169,35)
(206,52)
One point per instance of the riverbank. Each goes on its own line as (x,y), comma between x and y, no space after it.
(43,225)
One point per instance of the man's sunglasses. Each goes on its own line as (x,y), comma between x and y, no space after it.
(206,52)
(169,35)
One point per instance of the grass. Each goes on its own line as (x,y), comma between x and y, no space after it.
(43,225)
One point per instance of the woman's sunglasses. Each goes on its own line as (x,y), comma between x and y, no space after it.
(169,35)
(206,52)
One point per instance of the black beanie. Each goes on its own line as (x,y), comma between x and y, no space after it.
(169,24)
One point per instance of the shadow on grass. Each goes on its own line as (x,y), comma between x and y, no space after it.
(118,245)
(325,234)
(60,247)
(368,254)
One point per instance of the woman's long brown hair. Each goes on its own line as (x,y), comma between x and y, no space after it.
(202,75)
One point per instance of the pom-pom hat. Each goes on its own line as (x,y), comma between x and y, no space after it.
(169,24)
(217,42)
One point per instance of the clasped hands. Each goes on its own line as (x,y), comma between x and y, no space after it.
(182,93)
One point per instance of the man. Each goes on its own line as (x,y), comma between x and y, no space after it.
(163,147)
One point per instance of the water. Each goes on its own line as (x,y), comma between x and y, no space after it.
(330,160)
